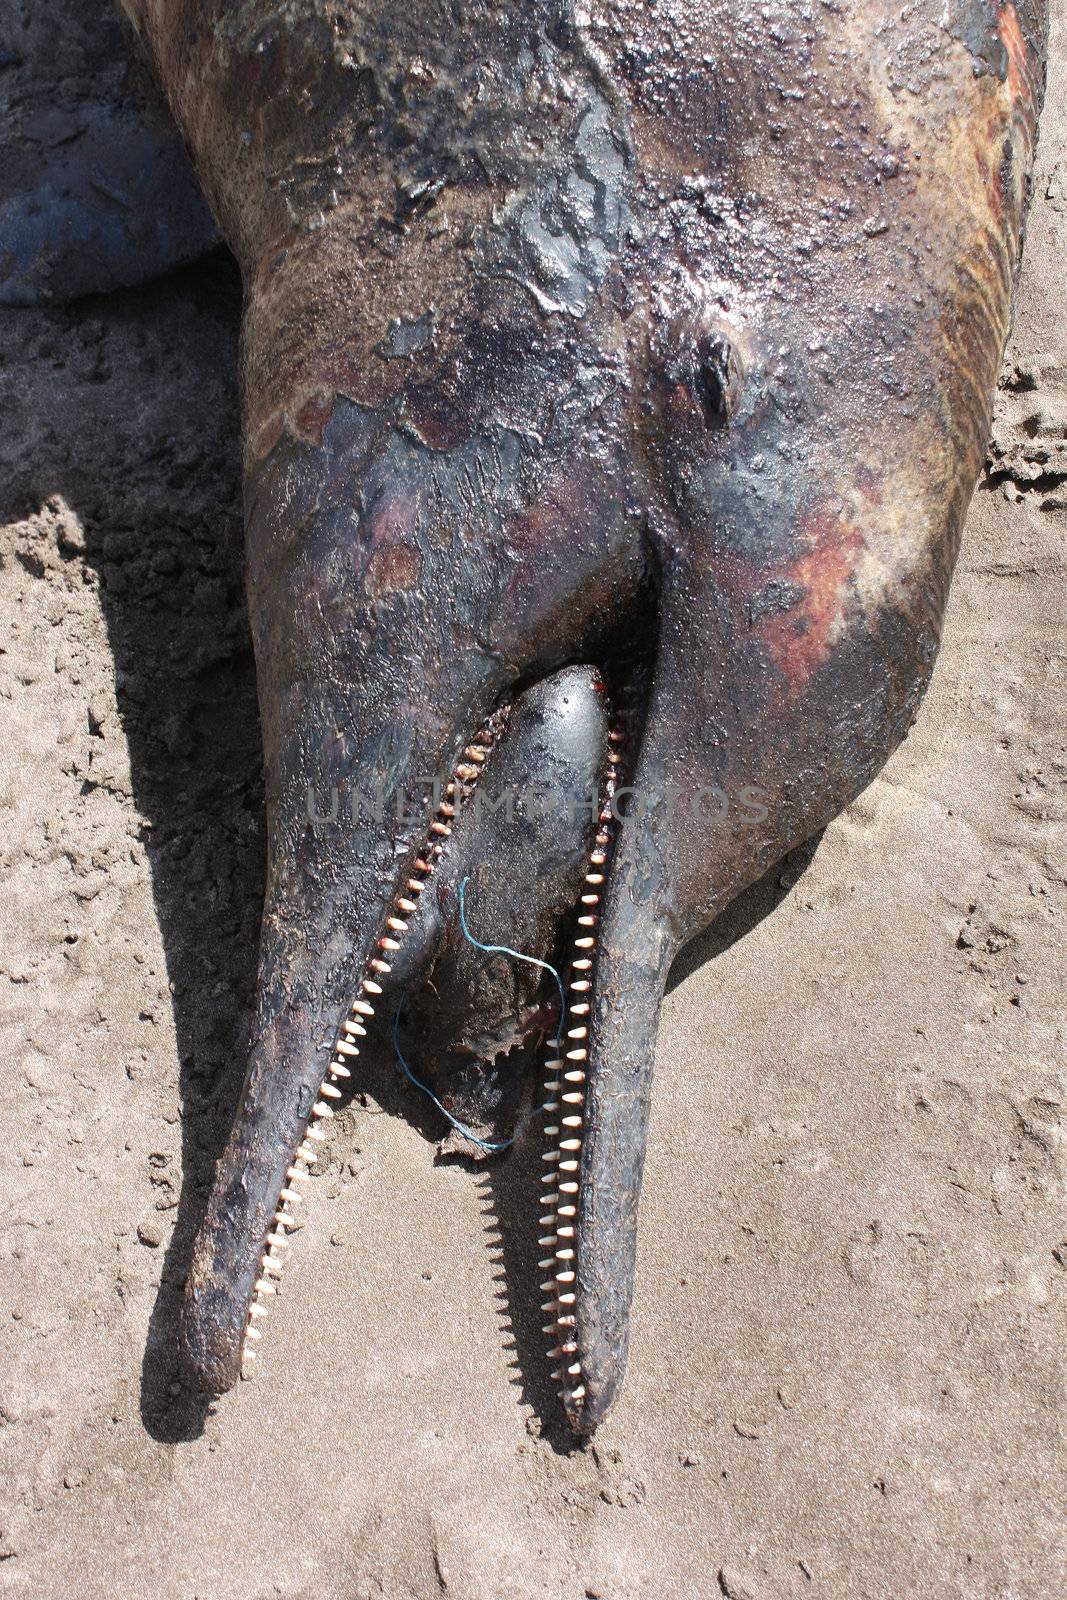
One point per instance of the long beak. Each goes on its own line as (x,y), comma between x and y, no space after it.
(323,960)
(622,955)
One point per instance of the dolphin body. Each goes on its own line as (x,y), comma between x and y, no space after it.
(616,377)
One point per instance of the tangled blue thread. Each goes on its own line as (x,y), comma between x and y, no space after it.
(489,950)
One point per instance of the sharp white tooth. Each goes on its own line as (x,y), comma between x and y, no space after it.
(339,1071)
(575,1075)
(565,1232)
(564,1252)
(567,1211)
(568,1166)
(551,1086)
(370,987)
(422,866)
(555,1373)
(564,1278)
(343,1048)
(549,1132)
(380,966)
(397,924)
(257,1311)
(548,1220)
(554,1355)
(579,1054)
(582,1009)
(407,905)
(264,1286)
(291,1197)
(363,1008)
(330,1091)
(598,858)
(321,1109)
(546,1239)
(549,1305)
(581,986)
(476,753)
(578,1033)
(278,1239)
(296,1173)
(574,1369)
(388,944)
(590,900)
(305,1152)
(355,1030)
(573,1121)
(466,773)
(551,1157)
(582,964)
(317,1134)
(551,1065)
(253,1333)
(587,922)
(550,1106)
(594,878)
(440,827)
(588,943)
(575,1098)
(567,1188)
(577,1394)
(568,1298)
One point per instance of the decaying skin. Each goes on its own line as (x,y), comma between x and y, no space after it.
(570,328)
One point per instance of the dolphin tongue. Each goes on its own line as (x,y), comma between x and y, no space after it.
(518,853)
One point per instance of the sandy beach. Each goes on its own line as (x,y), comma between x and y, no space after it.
(847,1374)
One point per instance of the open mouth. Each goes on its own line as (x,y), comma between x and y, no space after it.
(565,1008)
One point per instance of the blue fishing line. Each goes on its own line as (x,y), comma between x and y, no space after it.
(506,950)
(489,950)
(428,1092)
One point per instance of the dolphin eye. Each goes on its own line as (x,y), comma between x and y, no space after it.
(718,379)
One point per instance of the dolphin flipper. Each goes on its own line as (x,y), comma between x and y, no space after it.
(96,189)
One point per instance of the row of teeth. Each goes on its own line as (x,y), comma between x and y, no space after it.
(565,1094)
(347,1044)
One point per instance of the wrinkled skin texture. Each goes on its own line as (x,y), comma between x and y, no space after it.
(685,317)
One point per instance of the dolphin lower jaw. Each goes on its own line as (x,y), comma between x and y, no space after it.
(352,1031)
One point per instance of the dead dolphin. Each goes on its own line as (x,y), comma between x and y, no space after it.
(655,338)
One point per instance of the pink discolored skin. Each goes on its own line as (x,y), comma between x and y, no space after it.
(573,332)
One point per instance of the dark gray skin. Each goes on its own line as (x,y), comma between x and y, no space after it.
(96,189)
(673,323)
